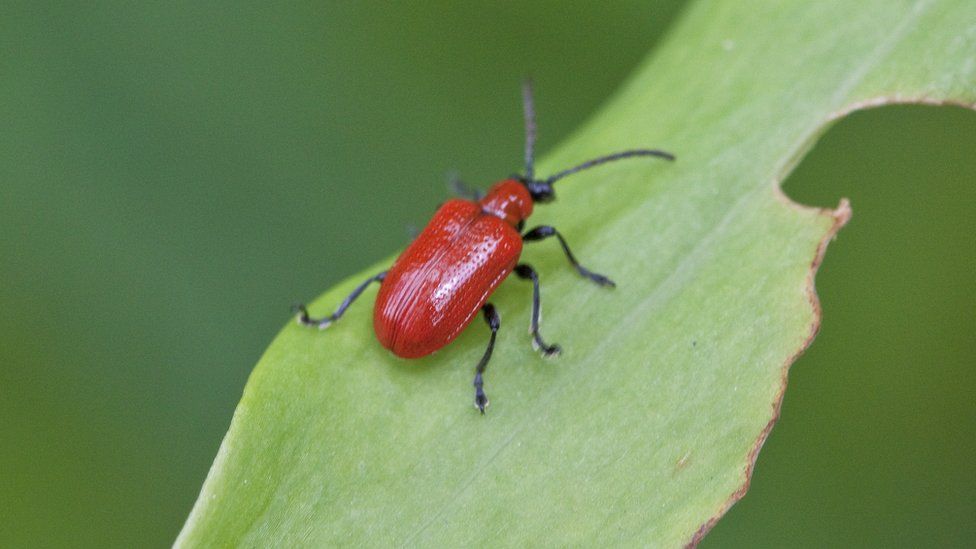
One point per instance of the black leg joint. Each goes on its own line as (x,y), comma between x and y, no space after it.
(538,233)
(491,317)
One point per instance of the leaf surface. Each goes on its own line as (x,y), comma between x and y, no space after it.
(647,427)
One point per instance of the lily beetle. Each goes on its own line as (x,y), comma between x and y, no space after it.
(447,274)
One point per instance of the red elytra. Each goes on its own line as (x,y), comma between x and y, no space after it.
(445,276)
(440,282)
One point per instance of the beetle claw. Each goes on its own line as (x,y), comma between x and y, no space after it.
(304,320)
(548,351)
(596,277)
(481,402)
(302,312)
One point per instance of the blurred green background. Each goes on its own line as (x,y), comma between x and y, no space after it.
(173,176)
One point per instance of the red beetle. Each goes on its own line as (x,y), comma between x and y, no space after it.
(440,282)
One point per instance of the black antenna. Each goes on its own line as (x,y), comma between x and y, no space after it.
(609,158)
(528,111)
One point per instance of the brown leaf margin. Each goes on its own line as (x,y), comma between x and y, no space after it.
(841,215)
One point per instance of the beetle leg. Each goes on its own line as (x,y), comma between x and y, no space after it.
(494,322)
(545,231)
(324,323)
(461,189)
(526,272)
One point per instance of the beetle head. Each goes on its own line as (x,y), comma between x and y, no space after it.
(541,190)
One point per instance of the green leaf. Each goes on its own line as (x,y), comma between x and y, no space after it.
(647,427)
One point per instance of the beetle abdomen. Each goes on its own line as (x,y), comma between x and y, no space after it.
(441,280)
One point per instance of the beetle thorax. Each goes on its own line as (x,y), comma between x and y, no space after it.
(508,200)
